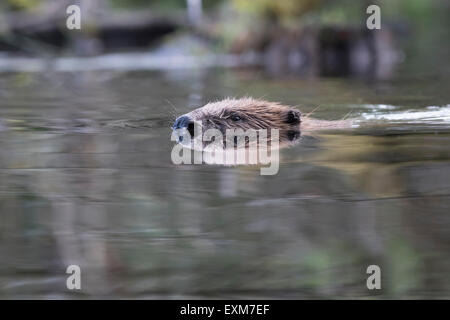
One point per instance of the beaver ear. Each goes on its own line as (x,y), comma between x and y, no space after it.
(293,116)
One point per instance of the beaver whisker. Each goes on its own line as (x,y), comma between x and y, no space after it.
(311,112)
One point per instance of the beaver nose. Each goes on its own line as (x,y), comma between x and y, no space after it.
(181,122)
(184,122)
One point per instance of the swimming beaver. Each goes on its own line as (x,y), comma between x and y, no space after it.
(249,113)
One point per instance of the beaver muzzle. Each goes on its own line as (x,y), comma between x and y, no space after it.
(184,123)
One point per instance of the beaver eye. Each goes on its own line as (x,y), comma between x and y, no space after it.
(235,117)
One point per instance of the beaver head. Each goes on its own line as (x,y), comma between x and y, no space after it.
(246,113)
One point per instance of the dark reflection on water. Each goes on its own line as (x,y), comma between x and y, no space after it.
(86,178)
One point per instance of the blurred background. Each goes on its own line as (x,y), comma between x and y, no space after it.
(86,176)
(287,37)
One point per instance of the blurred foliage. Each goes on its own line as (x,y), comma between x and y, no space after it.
(22,4)
(416,9)
(158,4)
(147,3)
(321,11)
(336,11)
(278,9)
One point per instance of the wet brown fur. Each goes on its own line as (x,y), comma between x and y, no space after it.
(260,114)
(252,113)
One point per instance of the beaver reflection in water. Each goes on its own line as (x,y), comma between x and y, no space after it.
(250,114)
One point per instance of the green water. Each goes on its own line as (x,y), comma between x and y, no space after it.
(86,178)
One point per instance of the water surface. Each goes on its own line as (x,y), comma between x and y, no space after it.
(86,178)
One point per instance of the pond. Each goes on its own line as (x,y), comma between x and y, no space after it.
(86,179)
